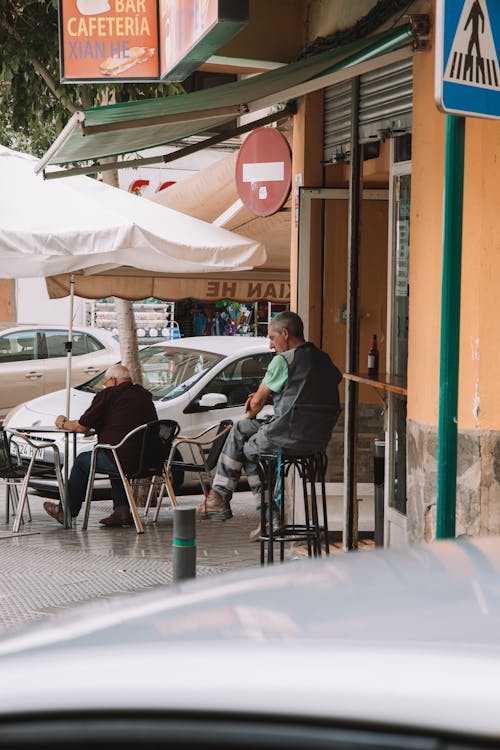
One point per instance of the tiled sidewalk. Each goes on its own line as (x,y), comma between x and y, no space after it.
(47,568)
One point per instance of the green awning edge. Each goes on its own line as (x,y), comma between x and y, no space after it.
(134,134)
(238,92)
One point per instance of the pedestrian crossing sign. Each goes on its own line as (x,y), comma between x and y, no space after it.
(467,75)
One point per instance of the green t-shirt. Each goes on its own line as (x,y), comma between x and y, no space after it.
(276,374)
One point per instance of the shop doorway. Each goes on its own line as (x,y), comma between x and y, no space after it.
(383,310)
(322,301)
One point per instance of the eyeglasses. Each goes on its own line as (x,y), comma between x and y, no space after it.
(106,380)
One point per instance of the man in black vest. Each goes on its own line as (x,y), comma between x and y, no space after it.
(302,382)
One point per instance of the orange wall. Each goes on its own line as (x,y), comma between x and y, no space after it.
(479,335)
(425,244)
(479,401)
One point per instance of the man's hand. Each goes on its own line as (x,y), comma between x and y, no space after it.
(256,401)
(72,425)
(246,408)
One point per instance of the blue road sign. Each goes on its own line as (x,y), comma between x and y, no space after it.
(467,75)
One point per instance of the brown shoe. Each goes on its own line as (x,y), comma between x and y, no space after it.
(214,507)
(118,518)
(53,510)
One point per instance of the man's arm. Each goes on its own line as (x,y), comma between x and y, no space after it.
(256,401)
(73,425)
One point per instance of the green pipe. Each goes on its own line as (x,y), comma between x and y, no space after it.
(450,327)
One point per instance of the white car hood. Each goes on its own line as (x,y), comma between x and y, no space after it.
(43,411)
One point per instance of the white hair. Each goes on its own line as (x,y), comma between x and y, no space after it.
(120,372)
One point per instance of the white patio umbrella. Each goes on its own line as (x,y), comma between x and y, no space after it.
(83,225)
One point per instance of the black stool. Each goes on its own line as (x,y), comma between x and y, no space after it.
(274,526)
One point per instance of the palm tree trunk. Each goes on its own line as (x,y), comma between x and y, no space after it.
(125,318)
(127,332)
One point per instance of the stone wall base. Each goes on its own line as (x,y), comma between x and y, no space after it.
(478,482)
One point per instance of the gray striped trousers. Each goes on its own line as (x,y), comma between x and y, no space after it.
(242,447)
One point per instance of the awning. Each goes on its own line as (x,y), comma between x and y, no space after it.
(210,287)
(93,134)
(211,195)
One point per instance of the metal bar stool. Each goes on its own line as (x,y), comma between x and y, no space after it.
(277,511)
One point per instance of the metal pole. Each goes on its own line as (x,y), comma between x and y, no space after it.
(350,525)
(450,327)
(184,544)
(69,347)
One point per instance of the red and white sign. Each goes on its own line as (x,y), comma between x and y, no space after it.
(263,171)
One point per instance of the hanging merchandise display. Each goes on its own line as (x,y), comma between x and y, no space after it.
(154,318)
(222,318)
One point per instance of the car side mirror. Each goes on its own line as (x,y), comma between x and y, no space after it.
(212,400)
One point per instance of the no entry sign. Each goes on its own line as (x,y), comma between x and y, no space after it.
(263,171)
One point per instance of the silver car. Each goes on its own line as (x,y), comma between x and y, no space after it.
(33,360)
(377,649)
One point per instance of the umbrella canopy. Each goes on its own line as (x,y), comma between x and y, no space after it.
(49,228)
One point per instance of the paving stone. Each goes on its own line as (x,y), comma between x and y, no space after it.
(52,568)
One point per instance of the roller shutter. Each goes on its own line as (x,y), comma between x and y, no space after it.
(385,105)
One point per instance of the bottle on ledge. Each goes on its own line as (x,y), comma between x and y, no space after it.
(373,358)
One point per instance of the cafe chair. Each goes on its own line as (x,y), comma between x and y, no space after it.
(155,442)
(205,453)
(14,471)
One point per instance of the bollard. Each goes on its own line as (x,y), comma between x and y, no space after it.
(184,544)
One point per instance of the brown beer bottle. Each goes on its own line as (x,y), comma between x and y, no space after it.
(373,358)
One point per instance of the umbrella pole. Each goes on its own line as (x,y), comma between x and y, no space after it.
(69,347)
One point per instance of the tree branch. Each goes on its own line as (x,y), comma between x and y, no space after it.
(58,91)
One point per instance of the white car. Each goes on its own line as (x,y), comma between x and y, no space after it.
(33,359)
(196,381)
(375,650)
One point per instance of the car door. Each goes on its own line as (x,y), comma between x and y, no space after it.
(89,357)
(83,363)
(236,380)
(22,367)
(57,360)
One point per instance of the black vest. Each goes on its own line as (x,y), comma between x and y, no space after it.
(307,408)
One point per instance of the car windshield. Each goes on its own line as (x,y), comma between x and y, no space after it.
(167,371)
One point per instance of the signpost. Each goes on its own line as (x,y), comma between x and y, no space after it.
(264,171)
(467,82)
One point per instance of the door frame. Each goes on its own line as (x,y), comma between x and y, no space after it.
(395,522)
(306,197)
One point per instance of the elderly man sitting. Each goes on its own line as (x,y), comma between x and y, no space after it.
(116,410)
(302,382)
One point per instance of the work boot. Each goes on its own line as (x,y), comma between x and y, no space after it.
(53,510)
(119,517)
(214,507)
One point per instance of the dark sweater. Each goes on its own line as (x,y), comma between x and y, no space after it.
(117,410)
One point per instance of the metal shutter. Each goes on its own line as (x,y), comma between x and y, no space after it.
(385,104)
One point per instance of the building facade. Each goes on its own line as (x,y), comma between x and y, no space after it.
(366,223)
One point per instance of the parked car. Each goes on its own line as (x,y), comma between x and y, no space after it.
(33,360)
(197,381)
(389,649)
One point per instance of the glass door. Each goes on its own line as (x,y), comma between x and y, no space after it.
(397,349)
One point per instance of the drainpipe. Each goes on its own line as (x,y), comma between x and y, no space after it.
(350,526)
(450,327)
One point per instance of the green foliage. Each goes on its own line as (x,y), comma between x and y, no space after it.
(30,112)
